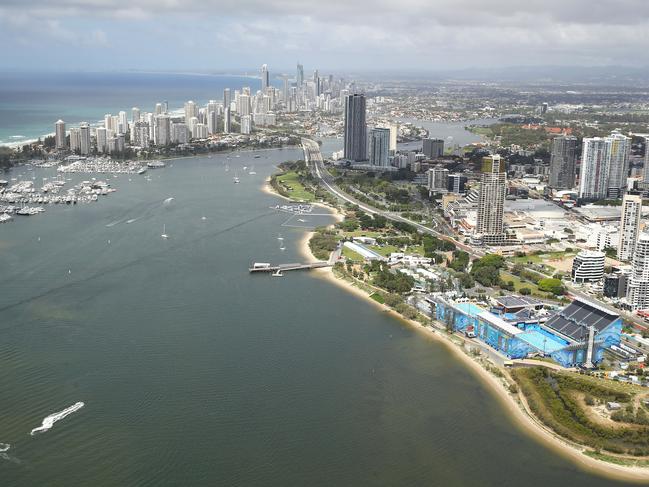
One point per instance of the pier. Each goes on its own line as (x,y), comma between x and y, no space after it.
(265,267)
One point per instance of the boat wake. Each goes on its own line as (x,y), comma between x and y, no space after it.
(49,421)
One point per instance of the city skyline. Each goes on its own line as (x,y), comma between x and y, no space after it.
(251,33)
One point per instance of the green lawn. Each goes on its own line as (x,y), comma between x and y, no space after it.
(351,255)
(519,283)
(295,189)
(385,251)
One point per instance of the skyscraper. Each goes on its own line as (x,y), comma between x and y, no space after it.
(593,178)
(645,177)
(300,75)
(122,126)
(355,148)
(629,226)
(491,200)
(75,139)
(618,148)
(102,139)
(562,162)
(264,77)
(84,138)
(59,135)
(379,147)
(226,98)
(246,124)
(638,291)
(433,148)
(162,133)
(226,120)
(191,110)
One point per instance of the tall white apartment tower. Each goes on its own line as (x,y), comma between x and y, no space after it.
(593,178)
(638,290)
(491,200)
(618,149)
(59,135)
(629,226)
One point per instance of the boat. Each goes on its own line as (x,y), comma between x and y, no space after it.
(164,231)
(252,171)
(235,178)
(277,273)
(280,237)
(257,157)
(142,170)
(155,164)
(5,217)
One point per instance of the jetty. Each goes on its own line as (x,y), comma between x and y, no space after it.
(267,267)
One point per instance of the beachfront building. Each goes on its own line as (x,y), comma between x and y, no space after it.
(576,335)
(59,135)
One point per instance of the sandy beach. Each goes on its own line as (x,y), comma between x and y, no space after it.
(524,421)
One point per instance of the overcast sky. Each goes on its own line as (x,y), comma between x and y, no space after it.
(213,35)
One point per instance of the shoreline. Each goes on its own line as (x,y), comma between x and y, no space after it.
(527,424)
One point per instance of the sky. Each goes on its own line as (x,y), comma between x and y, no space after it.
(376,35)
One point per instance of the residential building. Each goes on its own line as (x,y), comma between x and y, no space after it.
(433,148)
(379,147)
(491,200)
(629,226)
(59,135)
(355,146)
(638,290)
(588,266)
(563,162)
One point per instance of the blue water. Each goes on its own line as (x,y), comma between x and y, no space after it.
(469,308)
(30,103)
(542,340)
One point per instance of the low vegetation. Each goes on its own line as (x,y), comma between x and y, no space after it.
(575,407)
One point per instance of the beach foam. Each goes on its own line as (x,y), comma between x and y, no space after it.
(49,421)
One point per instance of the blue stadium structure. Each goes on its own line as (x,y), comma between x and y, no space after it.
(575,336)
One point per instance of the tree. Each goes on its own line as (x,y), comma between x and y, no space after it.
(551,285)
(525,291)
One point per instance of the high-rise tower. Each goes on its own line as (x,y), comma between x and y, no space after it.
(355,148)
(491,201)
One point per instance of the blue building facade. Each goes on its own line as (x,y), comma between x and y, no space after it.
(563,337)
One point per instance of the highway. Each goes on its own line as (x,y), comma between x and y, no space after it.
(315,162)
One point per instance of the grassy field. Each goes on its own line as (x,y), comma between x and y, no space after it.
(519,284)
(384,250)
(295,189)
(574,406)
(351,255)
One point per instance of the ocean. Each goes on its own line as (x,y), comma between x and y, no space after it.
(193,372)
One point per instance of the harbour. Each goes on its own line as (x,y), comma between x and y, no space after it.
(186,364)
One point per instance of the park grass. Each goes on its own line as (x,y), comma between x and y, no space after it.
(519,284)
(294,188)
(378,298)
(351,255)
(384,250)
